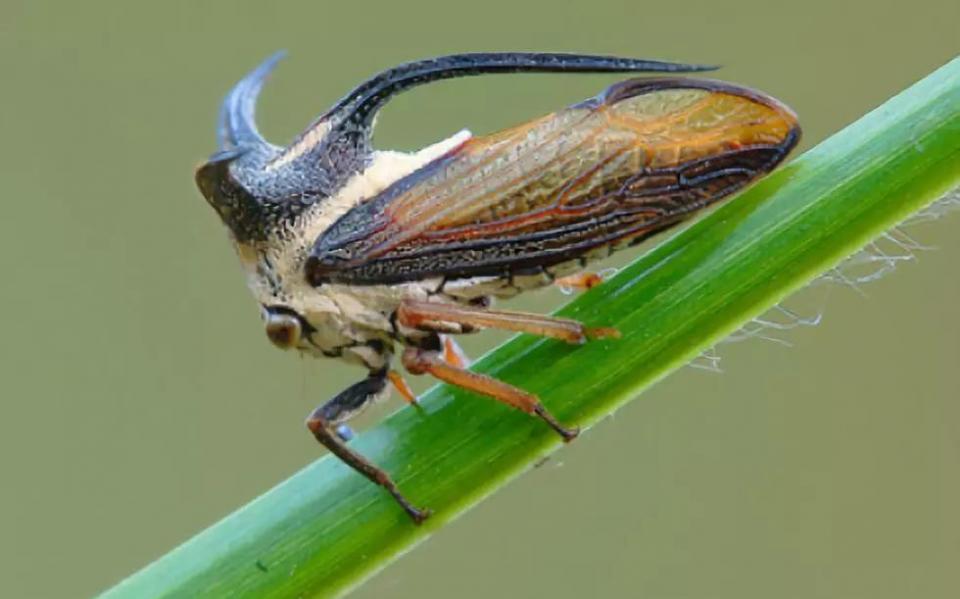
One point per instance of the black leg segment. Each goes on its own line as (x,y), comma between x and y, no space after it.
(323,421)
(354,398)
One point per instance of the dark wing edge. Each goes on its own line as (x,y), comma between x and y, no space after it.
(407,233)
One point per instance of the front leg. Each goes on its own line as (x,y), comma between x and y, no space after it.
(324,419)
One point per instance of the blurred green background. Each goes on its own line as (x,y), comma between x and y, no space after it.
(141,400)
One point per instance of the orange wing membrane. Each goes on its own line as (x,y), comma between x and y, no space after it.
(638,159)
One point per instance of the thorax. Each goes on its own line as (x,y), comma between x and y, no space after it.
(341,316)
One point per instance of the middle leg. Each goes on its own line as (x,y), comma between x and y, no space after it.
(424,361)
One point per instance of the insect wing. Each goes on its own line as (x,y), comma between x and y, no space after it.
(633,161)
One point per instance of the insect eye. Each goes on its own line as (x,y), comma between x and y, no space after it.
(283,329)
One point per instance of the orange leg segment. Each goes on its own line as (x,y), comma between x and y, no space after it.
(418,361)
(402,387)
(434,315)
(582,281)
(453,354)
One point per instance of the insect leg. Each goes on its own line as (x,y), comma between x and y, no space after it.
(580,281)
(453,354)
(402,387)
(322,423)
(431,315)
(421,361)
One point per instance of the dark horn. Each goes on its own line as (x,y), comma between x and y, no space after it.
(330,159)
(237,127)
(360,105)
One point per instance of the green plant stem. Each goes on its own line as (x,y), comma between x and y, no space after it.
(326,528)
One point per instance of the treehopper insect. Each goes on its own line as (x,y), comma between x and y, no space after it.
(358,253)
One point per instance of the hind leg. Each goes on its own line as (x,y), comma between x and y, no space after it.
(435,316)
